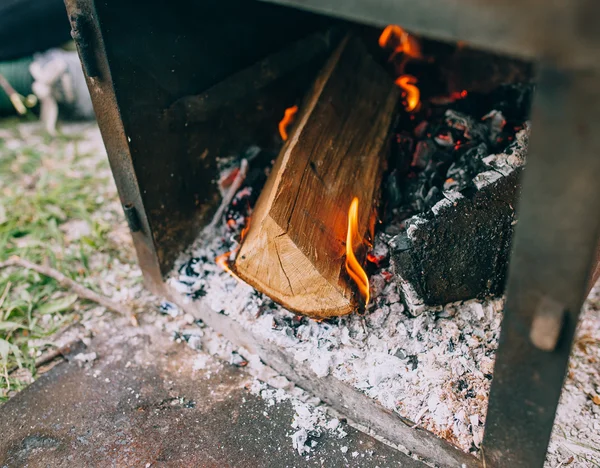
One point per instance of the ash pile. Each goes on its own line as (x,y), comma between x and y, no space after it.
(430,365)
(450,195)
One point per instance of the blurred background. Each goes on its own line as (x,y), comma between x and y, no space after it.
(58,203)
(40,74)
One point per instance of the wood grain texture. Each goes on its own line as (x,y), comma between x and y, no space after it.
(294,250)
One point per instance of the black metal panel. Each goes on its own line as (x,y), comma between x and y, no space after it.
(90,45)
(158,54)
(553,255)
(564,30)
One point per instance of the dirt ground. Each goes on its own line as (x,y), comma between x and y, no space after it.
(58,207)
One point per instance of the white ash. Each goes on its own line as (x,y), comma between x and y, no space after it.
(85,359)
(310,420)
(576,436)
(299,439)
(434,368)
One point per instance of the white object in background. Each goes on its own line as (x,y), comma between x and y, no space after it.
(59,84)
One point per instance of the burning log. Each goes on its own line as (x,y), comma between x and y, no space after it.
(458,248)
(295,248)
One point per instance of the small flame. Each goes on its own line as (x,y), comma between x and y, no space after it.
(245,229)
(353,267)
(402,42)
(288,118)
(223,259)
(408,84)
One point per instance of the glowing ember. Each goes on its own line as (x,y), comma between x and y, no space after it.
(403,43)
(223,259)
(288,118)
(353,267)
(245,229)
(408,84)
(223,262)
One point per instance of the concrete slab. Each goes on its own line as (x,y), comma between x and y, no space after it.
(142,404)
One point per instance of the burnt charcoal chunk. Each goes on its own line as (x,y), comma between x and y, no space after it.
(423,154)
(191,269)
(413,361)
(199,293)
(462,252)
(400,243)
(433,196)
(391,189)
(401,152)
(467,166)
(467,126)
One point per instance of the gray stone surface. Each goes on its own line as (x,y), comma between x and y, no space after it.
(141,403)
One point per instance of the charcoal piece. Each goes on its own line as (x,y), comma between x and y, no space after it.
(401,151)
(198,293)
(496,122)
(421,129)
(460,249)
(433,196)
(452,185)
(436,174)
(423,155)
(467,126)
(391,190)
(462,171)
(400,243)
(168,308)
(191,269)
(444,139)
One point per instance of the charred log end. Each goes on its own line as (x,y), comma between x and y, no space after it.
(461,250)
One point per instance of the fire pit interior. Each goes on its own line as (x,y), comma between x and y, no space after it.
(434,171)
(335,197)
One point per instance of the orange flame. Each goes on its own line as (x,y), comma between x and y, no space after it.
(353,267)
(245,230)
(402,42)
(223,259)
(288,118)
(408,84)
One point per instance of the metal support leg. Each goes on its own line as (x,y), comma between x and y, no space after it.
(553,251)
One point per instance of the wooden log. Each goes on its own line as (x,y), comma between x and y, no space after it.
(295,248)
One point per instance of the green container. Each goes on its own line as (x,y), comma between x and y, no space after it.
(17,74)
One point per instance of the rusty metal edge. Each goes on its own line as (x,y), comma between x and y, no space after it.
(90,45)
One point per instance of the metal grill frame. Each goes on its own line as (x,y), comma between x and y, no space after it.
(556,239)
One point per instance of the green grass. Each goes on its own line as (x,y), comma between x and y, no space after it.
(40,190)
